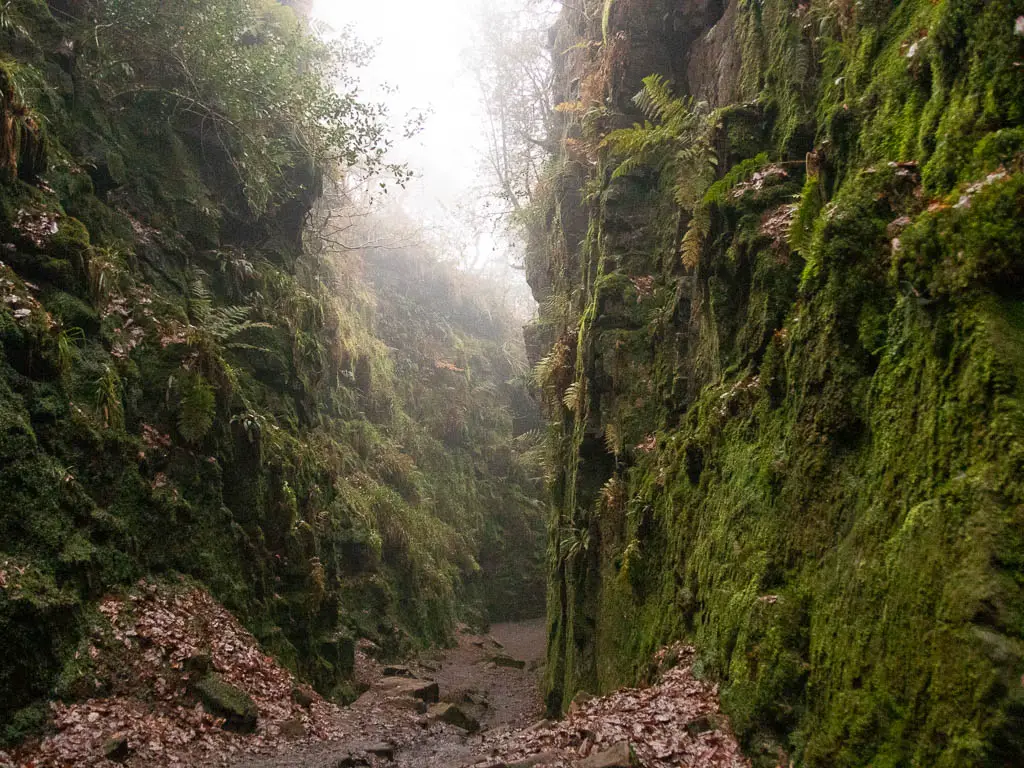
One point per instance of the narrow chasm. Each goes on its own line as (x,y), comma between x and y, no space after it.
(591,384)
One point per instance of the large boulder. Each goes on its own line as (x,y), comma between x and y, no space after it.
(221,699)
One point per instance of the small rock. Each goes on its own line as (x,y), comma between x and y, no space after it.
(397,671)
(502,660)
(619,755)
(116,748)
(402,702)
(199,664)
(453,715)
(426,690)
(382,750)
(293,729)
(494,642)
(430,666)
(302,697)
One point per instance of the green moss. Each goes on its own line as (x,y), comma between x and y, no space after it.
(821,471)
(222,699)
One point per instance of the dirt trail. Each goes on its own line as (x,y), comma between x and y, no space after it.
(477,704)
(388,725)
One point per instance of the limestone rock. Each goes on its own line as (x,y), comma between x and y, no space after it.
(543,758)
(502,660)
(403,702)
(425,690)
(454,715)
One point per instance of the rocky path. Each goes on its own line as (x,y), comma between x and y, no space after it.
(488,716)
(185,685)
(434,711)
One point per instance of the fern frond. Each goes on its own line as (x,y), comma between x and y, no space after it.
(693,240)
(655,99)
(612,439)
(573,397)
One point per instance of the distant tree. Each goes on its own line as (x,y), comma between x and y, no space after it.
(512,65)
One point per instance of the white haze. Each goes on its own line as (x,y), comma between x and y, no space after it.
(421,65)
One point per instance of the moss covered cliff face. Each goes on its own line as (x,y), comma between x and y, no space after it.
(185,390)
(782,346)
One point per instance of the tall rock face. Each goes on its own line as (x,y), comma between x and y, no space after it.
(782,349)
(189,390)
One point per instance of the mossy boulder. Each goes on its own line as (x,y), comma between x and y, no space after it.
(221,699)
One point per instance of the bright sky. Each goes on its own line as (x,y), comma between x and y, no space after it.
(421,52)
(421,64)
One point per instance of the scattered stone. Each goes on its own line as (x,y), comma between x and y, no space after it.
(403,702)
(397,671)
(454,715)
(495,642)
(116,748)
(427,690)
(619,755)
(224,700)
(293,729)
(199,664)
(302,697)
(382,750)
(502,660)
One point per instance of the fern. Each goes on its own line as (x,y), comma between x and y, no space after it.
(656,101)
(696,233)
(196,408)
(220,323)
(573,397)
(674,140)
(575,542)
(612,439)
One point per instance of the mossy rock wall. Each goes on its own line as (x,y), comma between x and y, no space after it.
(802,449)
(185,389)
